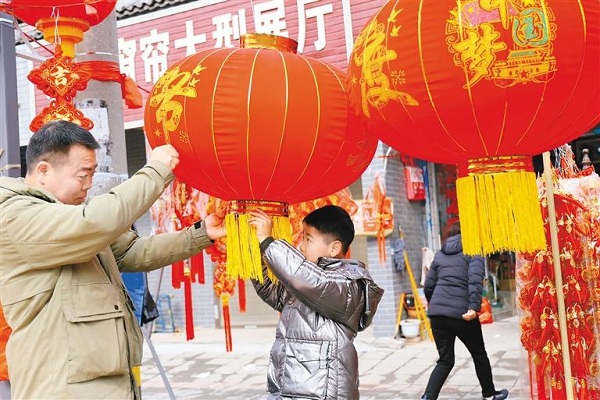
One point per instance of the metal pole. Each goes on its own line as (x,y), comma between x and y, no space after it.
(10,152)
(159,365)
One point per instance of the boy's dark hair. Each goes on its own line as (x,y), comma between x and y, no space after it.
(333,221)
(454,229)
(54,140)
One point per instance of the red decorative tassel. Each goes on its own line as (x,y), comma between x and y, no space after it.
(242,294)
(381,245)
(198,268)
(177,274)
(227,323)
(189,308)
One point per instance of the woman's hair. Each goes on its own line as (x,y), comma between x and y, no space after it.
(454,229)
(53,141)
(333,221)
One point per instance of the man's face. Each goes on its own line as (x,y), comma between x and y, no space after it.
(70,178)
(315,245)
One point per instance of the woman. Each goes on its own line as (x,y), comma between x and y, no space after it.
(453,289)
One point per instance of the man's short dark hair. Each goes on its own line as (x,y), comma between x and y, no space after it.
(333,221)
(53,141)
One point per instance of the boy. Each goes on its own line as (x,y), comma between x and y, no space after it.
(324,301)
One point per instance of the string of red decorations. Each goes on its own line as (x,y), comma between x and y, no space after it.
(578,218)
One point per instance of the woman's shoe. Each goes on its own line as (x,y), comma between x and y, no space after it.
(499,395)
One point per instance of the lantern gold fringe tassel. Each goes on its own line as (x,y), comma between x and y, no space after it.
(243,250)
(500,212)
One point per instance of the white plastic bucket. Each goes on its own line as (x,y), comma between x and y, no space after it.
(410,328)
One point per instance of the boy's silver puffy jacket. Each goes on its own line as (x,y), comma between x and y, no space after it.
(322,309)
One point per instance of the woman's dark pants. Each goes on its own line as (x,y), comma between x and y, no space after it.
(445,331)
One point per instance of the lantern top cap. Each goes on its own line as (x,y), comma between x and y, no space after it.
(268,41)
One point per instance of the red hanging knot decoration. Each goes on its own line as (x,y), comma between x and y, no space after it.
(61,78)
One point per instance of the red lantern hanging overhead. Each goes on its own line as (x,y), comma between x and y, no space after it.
(67,19)
(258,123)
(484,85)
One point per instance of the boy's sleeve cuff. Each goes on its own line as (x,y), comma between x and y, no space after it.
(265,243)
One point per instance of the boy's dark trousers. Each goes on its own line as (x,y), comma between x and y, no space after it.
(445,331)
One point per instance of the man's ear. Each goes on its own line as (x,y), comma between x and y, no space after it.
(41,169)
(335,249)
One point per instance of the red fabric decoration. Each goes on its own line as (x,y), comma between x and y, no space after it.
(378,197)
(224,288)
(189,305)
(241,284)
(185,208)
(177,275)
(227,323)
(258,124)
(4,335)
(197,262)
(108,71)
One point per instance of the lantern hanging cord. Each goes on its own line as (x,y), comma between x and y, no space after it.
(29,38)
(32,39)
(56,15)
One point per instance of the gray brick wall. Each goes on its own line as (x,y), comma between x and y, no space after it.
(410,217)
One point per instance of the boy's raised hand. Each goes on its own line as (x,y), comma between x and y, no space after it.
(263,224)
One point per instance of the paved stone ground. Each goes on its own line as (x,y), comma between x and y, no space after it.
(389,368)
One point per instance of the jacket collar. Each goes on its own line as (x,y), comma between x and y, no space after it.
(11,187)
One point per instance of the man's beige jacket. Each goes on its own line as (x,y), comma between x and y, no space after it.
(75,335)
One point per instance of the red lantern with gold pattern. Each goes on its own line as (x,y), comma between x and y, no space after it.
(259,124)
(484,85)
(67,19)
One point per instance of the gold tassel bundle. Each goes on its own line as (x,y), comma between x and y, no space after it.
(243,249)
(499,208)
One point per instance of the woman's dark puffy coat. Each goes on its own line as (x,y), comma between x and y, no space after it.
(454,282)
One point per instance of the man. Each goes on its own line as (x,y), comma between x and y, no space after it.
(74,333)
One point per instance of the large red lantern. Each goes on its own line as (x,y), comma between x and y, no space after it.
(485,85)
(67,19)
(258,124)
